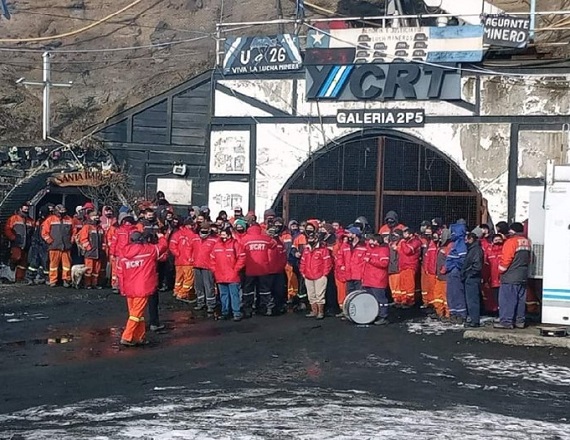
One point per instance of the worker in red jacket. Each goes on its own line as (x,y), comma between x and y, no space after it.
(375,274)
(57,231)
(119,240)
(316,264)
(351,259)
(514,267)
(429,270)
(258,247)
(181,246)
(139,280)
(91,239)
(228,259)
(19,229)
(203,275)
(409,261)
(278,261)
(492,274)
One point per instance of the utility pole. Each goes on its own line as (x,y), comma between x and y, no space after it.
(47,85)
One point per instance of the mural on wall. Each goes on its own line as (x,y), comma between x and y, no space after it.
(229,152)
(226,195)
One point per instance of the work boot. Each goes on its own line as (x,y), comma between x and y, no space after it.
(126,343)
(156,328)
(381,321)
(320,311)
(502,326)
(199,307)
(66,284)
(471,325)
(339,315)
(313,313)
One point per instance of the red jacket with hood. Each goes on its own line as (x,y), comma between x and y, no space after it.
(352,259)
(493,255)
(277,256)
(202,248)
(258,247)
(121,239)
(376,262)
(409,253)
(316,262)
(429,263)
(228,259)
(138,267)
(181,246)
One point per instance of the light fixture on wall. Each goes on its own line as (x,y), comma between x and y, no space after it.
(179,170)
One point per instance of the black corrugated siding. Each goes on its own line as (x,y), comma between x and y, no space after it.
(173,128)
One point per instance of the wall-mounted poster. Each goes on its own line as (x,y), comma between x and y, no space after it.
(226,195)
(229,152)
(176,191)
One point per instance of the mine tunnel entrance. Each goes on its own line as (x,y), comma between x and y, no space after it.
(373,174)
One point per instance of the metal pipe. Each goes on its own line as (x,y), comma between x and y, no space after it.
(381,17)
(47,78)
(532,18)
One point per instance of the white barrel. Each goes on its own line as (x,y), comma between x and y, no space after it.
(360,307)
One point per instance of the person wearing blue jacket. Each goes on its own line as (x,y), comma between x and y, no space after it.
(453,265)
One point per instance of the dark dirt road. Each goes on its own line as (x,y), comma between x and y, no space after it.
(64,376)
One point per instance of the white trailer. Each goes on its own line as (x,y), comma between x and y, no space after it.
(556,263)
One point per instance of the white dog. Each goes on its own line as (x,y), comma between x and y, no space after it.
(77,273)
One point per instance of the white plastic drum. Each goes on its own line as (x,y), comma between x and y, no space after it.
(361,307)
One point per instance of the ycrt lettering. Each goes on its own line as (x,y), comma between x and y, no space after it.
(404,76)
(319,75)
(360,76)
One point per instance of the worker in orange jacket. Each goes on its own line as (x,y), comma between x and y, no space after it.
(57,231)
(19,229)
(92,240)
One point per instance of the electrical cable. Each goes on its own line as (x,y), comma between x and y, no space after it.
(113,49)
(71,33)
(118,23)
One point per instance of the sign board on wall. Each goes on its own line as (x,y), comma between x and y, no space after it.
(276,53)
(226,195)
(176,191)
(381,118)
(387,45)
(81,178)
(229,152)
(506,30)
(383,82)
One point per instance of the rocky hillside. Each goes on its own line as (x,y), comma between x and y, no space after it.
(107,81)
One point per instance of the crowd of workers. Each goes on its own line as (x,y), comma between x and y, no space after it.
(249,267)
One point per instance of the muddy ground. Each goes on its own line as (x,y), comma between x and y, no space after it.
(63,375)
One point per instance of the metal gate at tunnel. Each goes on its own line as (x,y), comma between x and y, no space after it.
(372,175)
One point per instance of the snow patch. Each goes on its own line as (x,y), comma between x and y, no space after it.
(268,414)
(518,370)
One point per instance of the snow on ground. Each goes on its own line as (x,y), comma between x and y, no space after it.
(429,326)
(518,369)
(268,413)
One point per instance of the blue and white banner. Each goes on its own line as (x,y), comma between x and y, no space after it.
(451,44)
